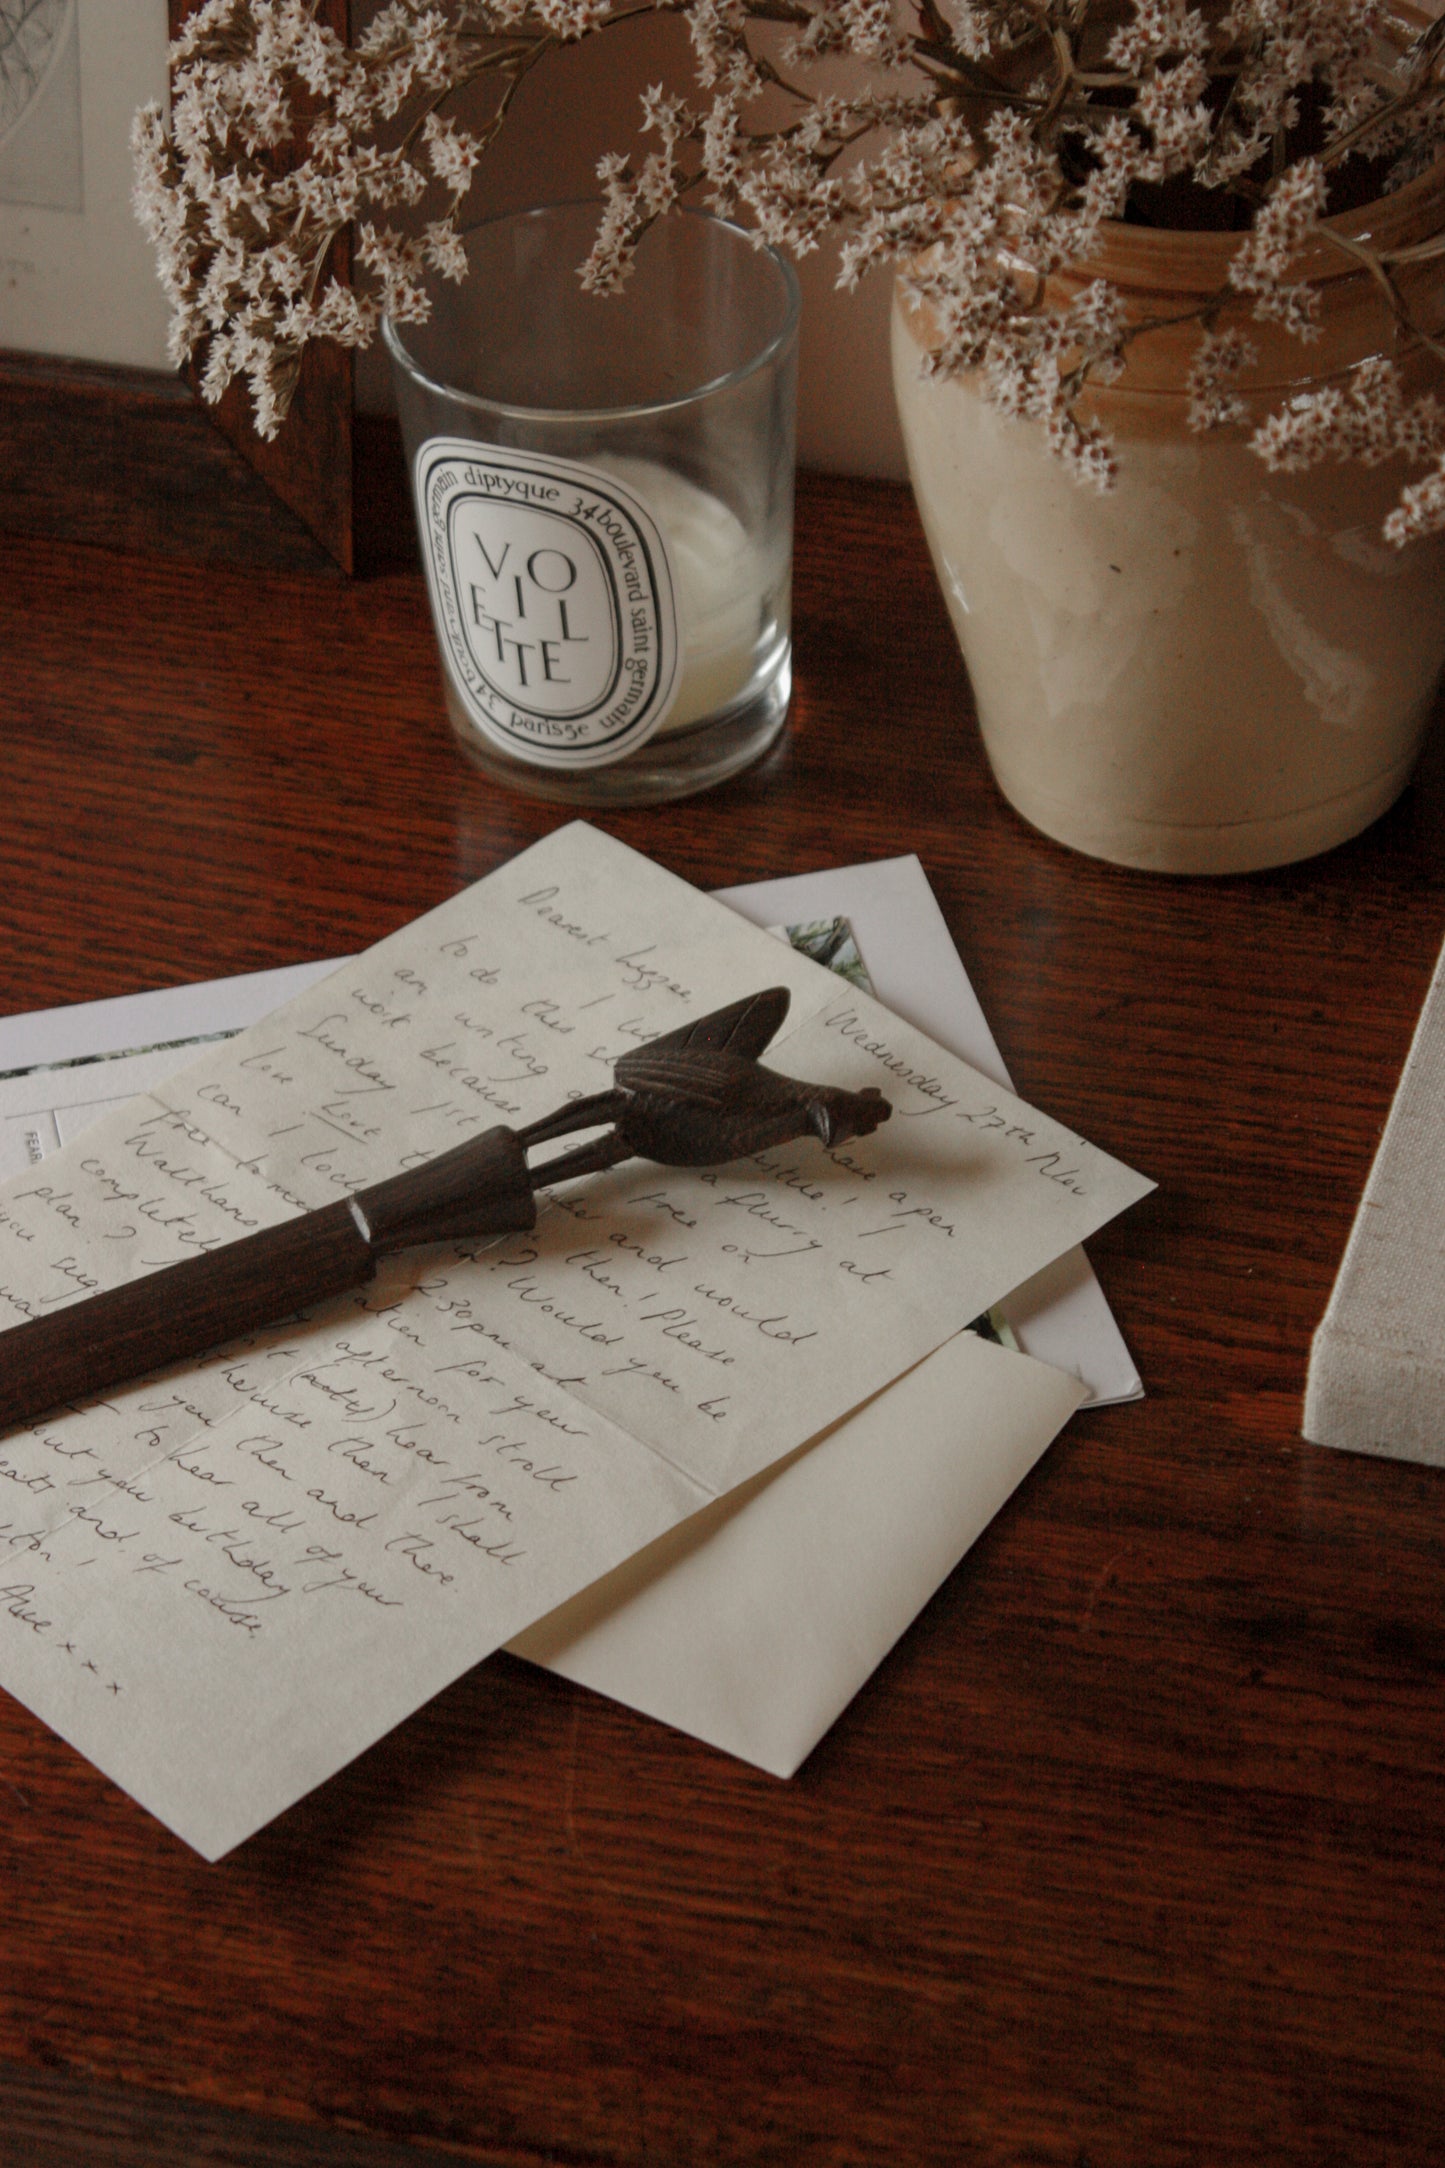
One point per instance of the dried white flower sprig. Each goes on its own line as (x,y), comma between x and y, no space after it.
(990,145)
(995,139)
(282,136)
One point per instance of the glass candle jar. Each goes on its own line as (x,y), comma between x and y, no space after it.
(604,495)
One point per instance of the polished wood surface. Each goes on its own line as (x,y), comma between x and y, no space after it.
(1132,1852)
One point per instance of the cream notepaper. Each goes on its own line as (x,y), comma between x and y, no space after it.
(222,1585)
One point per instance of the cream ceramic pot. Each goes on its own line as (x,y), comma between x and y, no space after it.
(1212,668)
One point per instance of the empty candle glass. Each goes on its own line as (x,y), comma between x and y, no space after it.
(604,494)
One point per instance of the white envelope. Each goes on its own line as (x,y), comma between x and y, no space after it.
(754,1624)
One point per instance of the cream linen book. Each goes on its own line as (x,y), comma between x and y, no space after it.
(1377,1367)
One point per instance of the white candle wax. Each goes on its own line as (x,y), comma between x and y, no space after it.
(722,584)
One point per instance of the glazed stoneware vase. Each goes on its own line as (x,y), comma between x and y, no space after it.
(1212,668)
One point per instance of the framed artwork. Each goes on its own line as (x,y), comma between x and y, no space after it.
(100,441)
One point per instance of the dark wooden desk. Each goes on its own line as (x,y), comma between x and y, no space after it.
(1133,1852)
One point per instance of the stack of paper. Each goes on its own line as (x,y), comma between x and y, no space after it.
(224,1584)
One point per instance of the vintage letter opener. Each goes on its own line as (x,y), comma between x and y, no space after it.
(696,1098)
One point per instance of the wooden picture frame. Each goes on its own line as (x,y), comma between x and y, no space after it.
(131,459)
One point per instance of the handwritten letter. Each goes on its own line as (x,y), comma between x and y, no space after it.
(224,1583)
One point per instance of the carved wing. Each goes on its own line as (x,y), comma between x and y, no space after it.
(744,1028)
(668,1075)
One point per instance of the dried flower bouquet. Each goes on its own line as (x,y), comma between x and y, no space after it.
(989,146)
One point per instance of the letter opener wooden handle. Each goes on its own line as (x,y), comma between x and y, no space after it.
(695,1098)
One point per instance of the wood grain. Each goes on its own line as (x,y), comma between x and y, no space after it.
(1131,1852)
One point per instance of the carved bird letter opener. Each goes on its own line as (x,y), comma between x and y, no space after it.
(695,1098)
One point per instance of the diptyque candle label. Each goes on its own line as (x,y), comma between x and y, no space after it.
(552,598)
